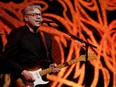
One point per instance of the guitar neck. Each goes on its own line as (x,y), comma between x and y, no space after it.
(81,58)
(49,70)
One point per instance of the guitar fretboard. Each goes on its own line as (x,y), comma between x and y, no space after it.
(81,58)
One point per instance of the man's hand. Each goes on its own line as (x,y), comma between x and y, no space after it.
(55,69)
(27,76)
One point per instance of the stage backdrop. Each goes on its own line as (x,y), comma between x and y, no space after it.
(92,21)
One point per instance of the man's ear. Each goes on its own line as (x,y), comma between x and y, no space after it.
(25,18)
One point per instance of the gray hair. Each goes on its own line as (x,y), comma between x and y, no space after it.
(31,8)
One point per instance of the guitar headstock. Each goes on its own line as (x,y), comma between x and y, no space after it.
(90,56)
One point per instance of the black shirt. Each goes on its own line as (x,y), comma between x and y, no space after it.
(39,46)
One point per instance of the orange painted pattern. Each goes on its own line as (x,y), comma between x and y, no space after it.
(79,22)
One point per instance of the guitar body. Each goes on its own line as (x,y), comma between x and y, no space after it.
(38,80)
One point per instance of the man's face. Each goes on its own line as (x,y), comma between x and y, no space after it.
(34,18)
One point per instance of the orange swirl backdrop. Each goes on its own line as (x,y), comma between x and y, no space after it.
(93,21)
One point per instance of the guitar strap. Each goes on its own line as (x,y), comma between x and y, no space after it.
(44,42)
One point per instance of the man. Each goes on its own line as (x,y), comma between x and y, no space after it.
(28,48)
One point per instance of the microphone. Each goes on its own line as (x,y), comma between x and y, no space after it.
(44,21)
(80,40)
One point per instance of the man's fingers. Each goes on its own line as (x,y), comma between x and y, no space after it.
(55,70)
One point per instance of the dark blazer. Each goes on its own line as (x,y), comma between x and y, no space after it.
(20,50)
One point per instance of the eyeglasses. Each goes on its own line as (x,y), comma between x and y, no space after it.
(35,14)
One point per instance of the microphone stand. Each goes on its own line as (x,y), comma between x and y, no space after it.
(86,53)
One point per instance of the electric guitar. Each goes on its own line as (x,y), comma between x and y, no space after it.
(37,74)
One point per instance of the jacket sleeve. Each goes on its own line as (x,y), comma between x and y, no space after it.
(10,52)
